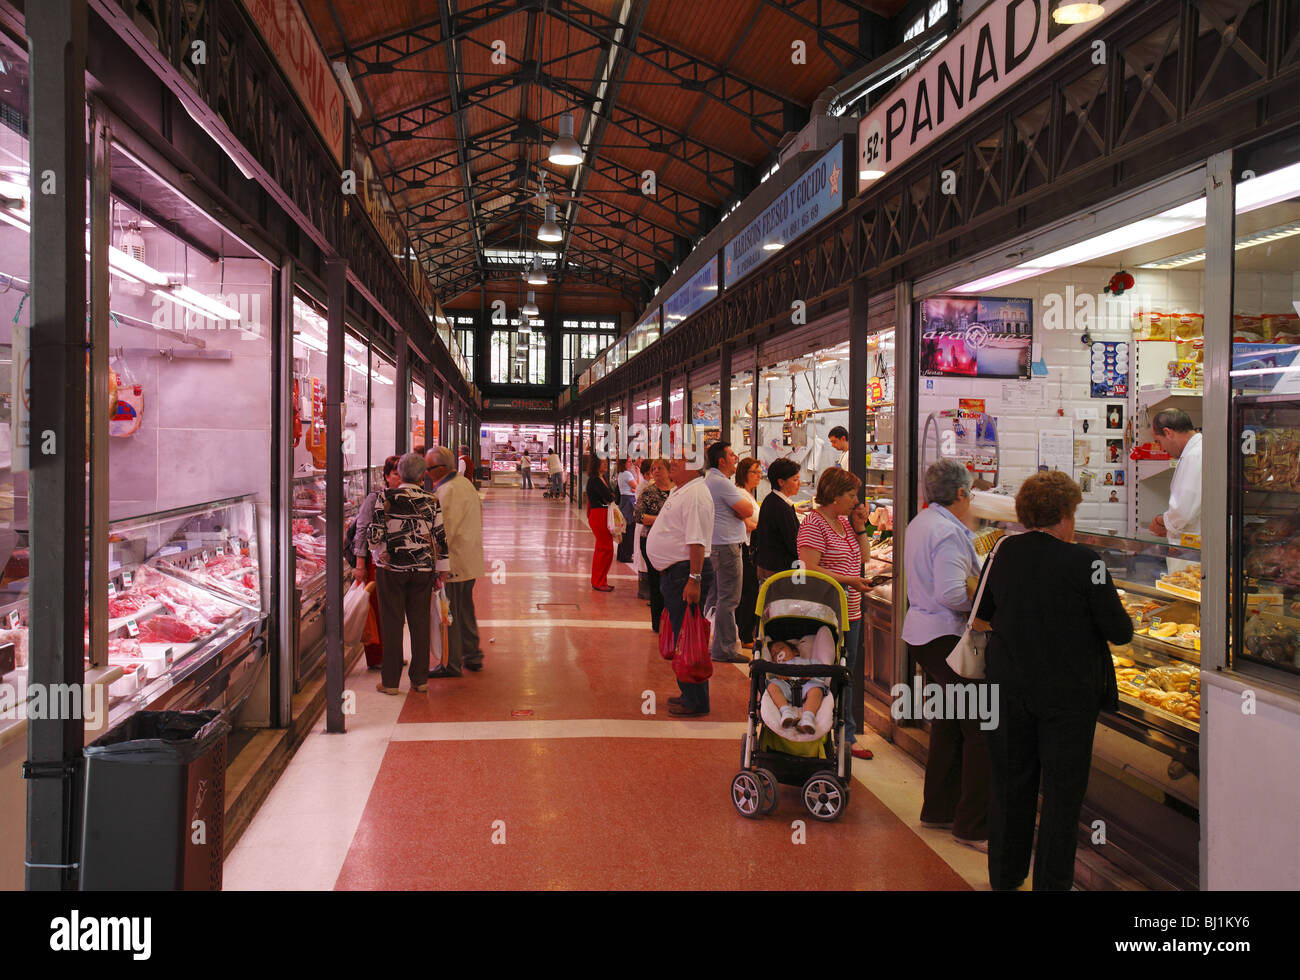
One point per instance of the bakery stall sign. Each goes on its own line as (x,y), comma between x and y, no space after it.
(812,198)
(994,50)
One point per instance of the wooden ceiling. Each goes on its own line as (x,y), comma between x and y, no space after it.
(462,99)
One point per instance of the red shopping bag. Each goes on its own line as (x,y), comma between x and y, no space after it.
(667,642)
(691,663)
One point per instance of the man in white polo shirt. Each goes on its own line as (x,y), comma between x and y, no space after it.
(731,507)
(678,547)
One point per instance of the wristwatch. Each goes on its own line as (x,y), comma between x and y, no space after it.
(696,576)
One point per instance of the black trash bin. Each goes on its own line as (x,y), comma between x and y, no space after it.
(155,803)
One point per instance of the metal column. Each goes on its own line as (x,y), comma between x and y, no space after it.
(57,484)
(100,231)
(724,395)
(906,379)
(430,381)
(336,277)
(753,404)
(282,550)
(858,448)
(402,436)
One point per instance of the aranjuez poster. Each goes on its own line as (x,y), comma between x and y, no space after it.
(817,194)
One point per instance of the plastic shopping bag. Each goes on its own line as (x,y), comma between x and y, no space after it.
(691,663)
(439,619)
(667,642)
(356,607)
(617,522)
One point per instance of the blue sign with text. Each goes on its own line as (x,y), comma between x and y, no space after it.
(695,293)
(817,194)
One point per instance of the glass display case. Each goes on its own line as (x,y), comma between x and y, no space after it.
(1158,672)
(1265,490)
(310,543)
(184,585)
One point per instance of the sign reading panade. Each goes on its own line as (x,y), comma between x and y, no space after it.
(817,194)
(294,46)
(993,51)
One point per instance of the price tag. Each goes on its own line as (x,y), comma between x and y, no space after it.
(1155,623)
(196,562)
(131,628)
(13,619)
(220,550)
(127,577)
(112,589)
(205,554)
(1190,540)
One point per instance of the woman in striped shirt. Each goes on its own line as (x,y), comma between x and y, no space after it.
(831,540)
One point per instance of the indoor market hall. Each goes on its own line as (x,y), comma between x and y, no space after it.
(623,447)
(558,766)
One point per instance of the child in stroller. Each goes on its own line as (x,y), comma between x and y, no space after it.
(799,645)
(780,690)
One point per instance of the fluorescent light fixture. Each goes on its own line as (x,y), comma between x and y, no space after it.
(711,289)
(10,218)
(349,88)
(1248,241)
(773,245)
(194,300)
(1253,194)
(870,174)
(565,151)
(307,340)
(221,141)
(550,231)
(1069,12)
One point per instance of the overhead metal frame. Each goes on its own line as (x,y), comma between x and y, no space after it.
(1023,163)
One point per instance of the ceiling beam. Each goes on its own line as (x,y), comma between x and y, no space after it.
(453,63)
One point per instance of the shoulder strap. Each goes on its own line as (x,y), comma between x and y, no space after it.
(984,577)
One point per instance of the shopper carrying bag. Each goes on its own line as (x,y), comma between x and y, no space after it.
(967,657)
(692,662)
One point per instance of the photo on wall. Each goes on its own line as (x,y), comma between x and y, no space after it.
(976,336)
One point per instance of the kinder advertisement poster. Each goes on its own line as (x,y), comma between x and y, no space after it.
(976,337)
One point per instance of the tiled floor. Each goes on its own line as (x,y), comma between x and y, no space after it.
(549,769)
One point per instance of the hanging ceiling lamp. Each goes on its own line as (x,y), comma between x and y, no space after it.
(536,275)
(529,308)
(565,151)
(550,231)
(1073,12)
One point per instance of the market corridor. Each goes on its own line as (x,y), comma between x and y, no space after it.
(543,772)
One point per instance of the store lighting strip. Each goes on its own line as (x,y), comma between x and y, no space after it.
(1249,241)
(1253,194)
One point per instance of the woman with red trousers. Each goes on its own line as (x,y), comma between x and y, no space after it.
(599,496)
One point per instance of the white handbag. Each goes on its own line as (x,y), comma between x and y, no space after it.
(967,657)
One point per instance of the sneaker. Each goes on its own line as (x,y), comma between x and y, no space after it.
(807,724)
(789,717)
(730,658)
(976,845)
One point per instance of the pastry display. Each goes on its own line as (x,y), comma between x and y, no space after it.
(1275,464)
(1188,579)
(1270,638)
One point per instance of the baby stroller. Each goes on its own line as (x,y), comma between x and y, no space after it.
(550,493)
(810,611)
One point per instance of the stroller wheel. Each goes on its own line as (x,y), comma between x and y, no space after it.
(770,790)
(747,794)
(824,795)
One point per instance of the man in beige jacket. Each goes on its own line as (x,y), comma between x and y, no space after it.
(462,515)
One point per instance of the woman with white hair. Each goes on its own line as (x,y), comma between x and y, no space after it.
(942,569)
(409,548)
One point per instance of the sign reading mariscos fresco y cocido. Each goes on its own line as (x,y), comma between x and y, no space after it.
(976,336)
(817,194)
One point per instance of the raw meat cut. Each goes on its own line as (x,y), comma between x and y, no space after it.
(127,604)
(166,629)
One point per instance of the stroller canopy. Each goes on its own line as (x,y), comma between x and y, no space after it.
(805,595)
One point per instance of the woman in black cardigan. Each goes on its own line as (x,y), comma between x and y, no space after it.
(1053,608)
(773,540)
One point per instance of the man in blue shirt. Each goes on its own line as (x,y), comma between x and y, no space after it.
(731,507)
